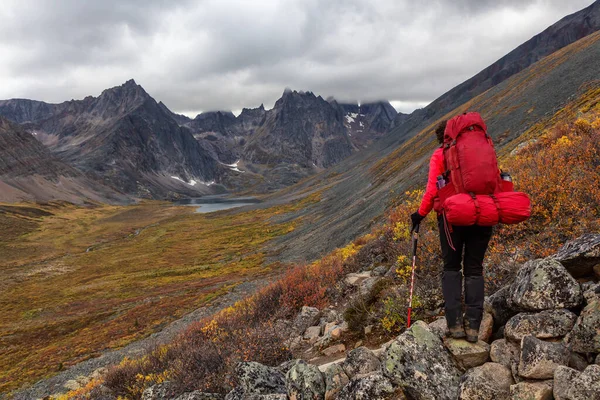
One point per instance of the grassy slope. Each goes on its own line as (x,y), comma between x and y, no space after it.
(147,265)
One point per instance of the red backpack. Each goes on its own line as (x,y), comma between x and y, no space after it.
(476,193)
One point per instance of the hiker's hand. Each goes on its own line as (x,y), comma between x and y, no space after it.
(416,219)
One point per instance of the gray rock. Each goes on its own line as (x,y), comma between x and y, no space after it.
(380,270)
(439,327)
(499,306)
(468,354)
(360,361)
(161,391)
(308,316)
(285,366)
(305,382)
(491,381)
(418,362)
(312,333)
(591,292)
(531,391)
(198,395)
(486,328)
(504,352)
(373,386)
(581,255)
(256,378)
(540,359)
(543,325)
(235,394)
(585,336)
(335,380)
(563,377)
(544,284)
(368,284)
(597,362)
(578,362)
(587,385)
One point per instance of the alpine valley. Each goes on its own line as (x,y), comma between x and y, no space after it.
(102,270)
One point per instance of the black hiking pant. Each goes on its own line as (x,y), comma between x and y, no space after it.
(473,240)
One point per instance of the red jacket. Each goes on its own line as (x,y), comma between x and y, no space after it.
(436,168)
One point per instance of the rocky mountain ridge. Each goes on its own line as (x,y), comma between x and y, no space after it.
(28,171)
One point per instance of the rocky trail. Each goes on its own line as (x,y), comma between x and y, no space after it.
(539,339)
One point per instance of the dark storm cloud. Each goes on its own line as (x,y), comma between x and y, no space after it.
(223,54)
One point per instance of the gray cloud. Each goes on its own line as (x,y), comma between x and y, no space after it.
(225,54)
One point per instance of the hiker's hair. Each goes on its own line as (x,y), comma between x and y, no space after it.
(439,131)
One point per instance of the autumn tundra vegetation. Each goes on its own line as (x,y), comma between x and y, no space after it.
(556,162)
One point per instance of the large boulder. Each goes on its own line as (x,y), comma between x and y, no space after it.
(373,386)
(335,380)
(581,256)
(540,359)
(499,306)
(544,284)
(543,325)
(468,354)
(360,361)
(255,378)
(587,385)
(563,377)
(491,381)
(585,336)
(418,362)
(504,352)
(305,382)
(541,390)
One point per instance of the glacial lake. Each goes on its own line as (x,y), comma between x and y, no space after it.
(209,204)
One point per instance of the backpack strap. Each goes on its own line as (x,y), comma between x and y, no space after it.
(497,203)
(477,208)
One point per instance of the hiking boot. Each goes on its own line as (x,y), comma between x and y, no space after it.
(456,332)
(472,335)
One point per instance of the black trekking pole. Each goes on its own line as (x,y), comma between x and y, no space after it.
(415,237)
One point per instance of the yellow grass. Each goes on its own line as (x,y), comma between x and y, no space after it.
(76,281)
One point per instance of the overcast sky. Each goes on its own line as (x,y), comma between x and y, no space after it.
(226,55)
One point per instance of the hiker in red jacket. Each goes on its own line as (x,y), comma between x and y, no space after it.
(473,240)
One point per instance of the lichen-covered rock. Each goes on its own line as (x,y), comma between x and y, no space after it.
(308,316)
(498,304)
(373,386)
(543,325)
(335,380)
(531,391)
(360,361)
(591,293)
(504,352)
(467,354)
(256,378)
(285,366)
(235,394)
(198,395)
(587,385)
(544,284)
(585,336)
(486,328)
(305,382)
(540,359)
(581,255)
(491,381)
(160,391)
(563,377)
(439,327)
(418,362)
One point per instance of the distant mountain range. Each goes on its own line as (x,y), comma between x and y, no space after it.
(126,140)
